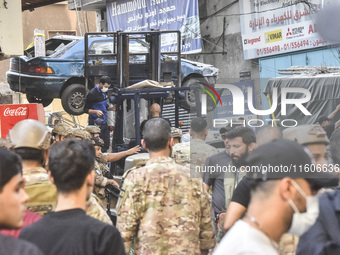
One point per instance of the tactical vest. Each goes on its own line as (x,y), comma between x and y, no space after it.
(42,197)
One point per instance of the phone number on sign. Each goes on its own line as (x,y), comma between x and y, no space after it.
(289,46)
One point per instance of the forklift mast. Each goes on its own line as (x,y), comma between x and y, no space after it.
(119,64)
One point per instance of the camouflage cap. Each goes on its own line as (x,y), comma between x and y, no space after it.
(92,129)
(61,129)
(176,132)
(97,141)
(306,134)
(80,133)
(30,134)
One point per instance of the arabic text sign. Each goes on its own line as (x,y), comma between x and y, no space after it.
(144,15)
(277,26)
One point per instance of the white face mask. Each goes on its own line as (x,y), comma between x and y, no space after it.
(104,89)
(302,222)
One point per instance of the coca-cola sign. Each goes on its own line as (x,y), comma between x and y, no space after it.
(19,111)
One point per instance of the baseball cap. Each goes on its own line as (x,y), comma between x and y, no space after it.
(284,158)
(323,118)
(306,134)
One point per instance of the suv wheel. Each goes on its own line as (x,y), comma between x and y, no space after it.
(189,101)
(73,99)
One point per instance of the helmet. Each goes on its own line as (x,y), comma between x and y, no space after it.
(306,134)
(30,134)
(96,141)
(77,132)
(176,132)
(92,129)
(61,129)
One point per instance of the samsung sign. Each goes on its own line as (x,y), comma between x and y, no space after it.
(145,15)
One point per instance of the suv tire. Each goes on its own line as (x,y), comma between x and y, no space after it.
(73,99)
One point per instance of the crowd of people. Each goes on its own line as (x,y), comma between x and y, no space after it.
(268,192)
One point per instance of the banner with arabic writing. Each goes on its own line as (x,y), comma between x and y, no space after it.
(271,27)
(144,15)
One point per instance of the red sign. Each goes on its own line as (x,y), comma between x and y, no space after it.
(13,113)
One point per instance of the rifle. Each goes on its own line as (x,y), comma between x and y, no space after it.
(111,191)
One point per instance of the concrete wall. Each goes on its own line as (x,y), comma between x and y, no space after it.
(232,62)
(55,17)
(11,27)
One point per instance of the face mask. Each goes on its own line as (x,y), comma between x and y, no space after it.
(303,221)
(104,89)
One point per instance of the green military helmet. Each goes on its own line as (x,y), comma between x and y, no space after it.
(306,134)
(29,134)
(61,129)
(92,129)
(97,141)
(80,133)
(176,132)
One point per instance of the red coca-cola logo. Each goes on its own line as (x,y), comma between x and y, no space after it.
(20,111)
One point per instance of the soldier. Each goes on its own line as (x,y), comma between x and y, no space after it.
(79,134)
(109,157)
(60,131)
(31,140)
(199,150)
(314,137)
(71,231)
(93,130)
(33,149)
(176,134)
(12,204)
(100,171)
(193,154)
(165,210)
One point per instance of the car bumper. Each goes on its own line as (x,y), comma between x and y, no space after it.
(39,86)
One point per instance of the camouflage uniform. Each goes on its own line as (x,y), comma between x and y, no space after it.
(95,210)
(181,154)
(165,210)
(103,158)
(42,193)
(193,154)
(100,181)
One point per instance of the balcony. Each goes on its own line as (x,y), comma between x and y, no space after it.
(87,5)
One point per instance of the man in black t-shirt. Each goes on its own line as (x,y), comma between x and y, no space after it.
(68,230)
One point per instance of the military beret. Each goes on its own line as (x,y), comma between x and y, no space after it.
(306,134)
